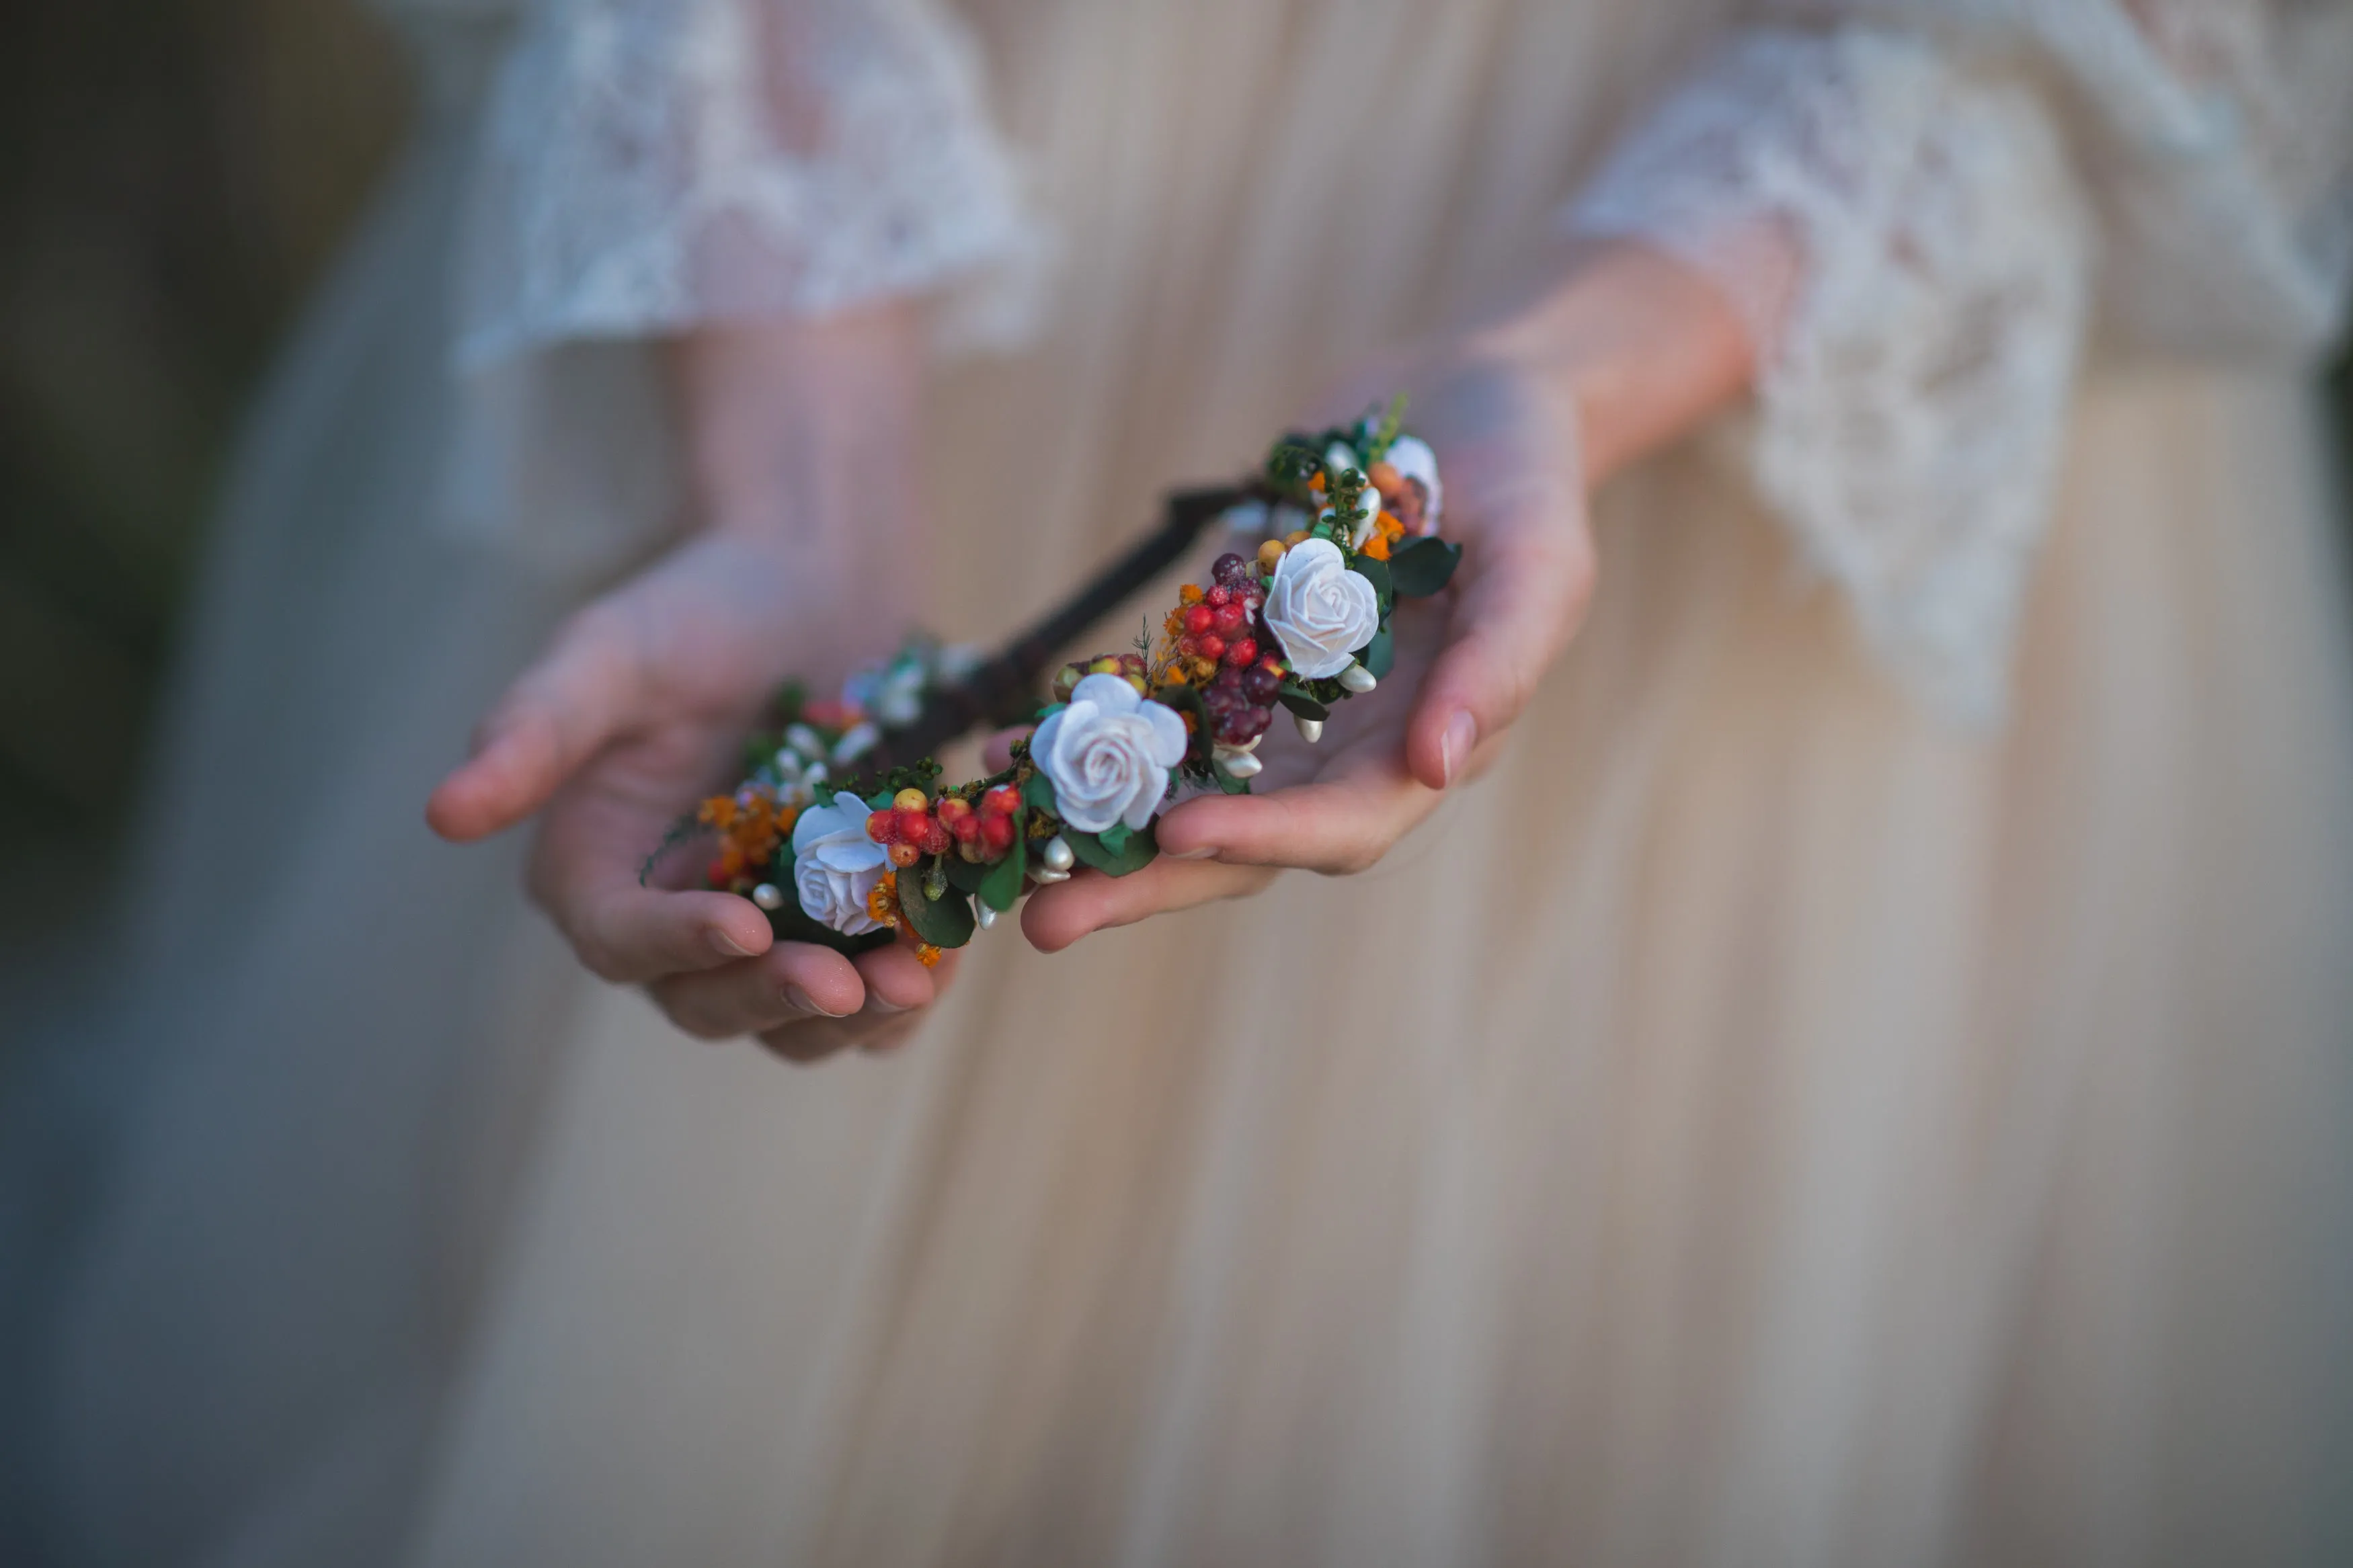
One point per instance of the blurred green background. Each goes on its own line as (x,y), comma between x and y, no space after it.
(180,173)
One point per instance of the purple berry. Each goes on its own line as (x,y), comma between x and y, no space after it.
(1240,726)
(1230,571)
(1260,684)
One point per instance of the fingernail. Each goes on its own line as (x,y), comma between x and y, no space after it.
(878,1003)
(796,997)
(727,945)
(1202,853)
(1461,734)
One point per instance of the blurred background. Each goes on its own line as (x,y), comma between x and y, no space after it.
(179,174)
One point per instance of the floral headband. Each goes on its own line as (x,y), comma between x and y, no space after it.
(843,846)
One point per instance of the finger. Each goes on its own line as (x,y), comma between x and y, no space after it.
(1059,915)
(816,1040)
(795,982)
(1337,826)
(556,716)
(583,873)
(897,982)
(1515,615)
(997,752)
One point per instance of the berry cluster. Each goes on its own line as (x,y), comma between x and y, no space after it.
(1219,642)
(913,826)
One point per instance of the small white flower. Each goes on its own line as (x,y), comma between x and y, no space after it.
(1339,457)
(1411,456)
(1319,610)
(856,741)
(836,866)
(1108,754)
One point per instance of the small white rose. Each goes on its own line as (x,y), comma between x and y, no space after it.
(1108,754)
(1411,456)
(836,866)
(1320,611)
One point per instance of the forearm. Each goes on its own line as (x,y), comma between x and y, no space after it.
(1638,349)
(798,437)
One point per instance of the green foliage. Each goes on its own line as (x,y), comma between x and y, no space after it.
(944,922)
(1424,567)
(1037,794)
(1228,784)
(1002,885)
(1117,850)
(1379,654)
(1303,701)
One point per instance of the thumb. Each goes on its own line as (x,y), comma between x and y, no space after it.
(583,693)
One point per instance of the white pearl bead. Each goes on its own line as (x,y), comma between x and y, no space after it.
(1241,764)
(988,917)
(1310,729)
(768,896)
(1049,874)
(1060,856)
(1358,679)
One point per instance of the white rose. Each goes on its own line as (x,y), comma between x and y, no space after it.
(1411,456)
(1320,611)
(1108,754)
(835,865)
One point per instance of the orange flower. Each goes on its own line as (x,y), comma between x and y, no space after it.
(926,955)
(882,901)
(718,811)
(1190,593)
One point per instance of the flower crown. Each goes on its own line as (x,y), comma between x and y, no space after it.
(1347,524)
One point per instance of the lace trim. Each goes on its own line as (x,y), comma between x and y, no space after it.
(1914,385)
(650,164)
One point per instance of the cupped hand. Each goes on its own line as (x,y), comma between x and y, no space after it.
(1467,663)
(639,709)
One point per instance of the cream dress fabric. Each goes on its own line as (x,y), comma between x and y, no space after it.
(1864,1081)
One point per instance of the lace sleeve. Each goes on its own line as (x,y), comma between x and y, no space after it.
(1915,371)
(650,164)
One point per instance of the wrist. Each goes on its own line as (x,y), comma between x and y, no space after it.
(1636,348)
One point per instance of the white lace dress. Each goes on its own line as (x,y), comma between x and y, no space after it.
(1869,1086)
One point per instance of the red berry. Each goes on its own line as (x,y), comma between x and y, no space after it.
(966,828)
(954,809)
(904,855)
(997,832)
(1242,653)
(1210,647)
(938,840)
(1228,620)
(1188,646)
(1002,800)
(1199,618)
(882,825)
(1218,597)
(913,827)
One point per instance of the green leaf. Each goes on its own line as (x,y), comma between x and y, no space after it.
(966,875)
(1379,654)
(1037,795)
(1228,783)
(1002,886)
(1377,572)
(879,799)
(944,922)
(1423,567)
(1300,703)
(1135,852)
(1113,838)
